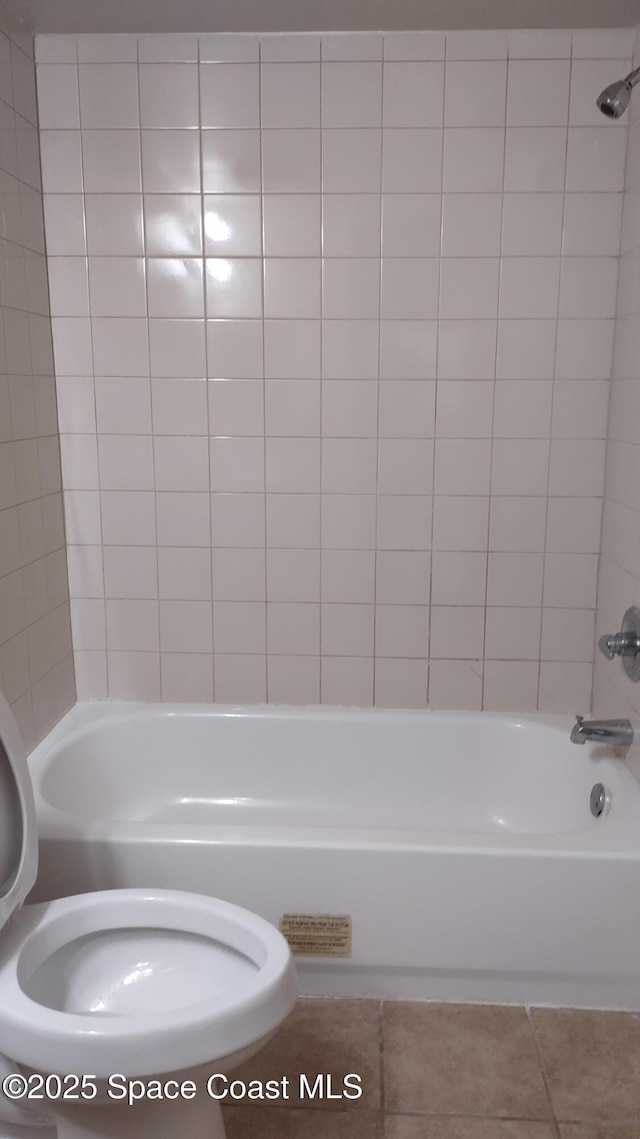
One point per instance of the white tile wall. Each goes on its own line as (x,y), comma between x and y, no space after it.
(333,321)
(36,662)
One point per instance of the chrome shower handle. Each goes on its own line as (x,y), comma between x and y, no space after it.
(619,644)
(625,644)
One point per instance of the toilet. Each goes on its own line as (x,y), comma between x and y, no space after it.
(161,987)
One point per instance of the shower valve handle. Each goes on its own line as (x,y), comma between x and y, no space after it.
(619,644)
(625,644)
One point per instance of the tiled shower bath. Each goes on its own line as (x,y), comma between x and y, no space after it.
(334,323)
(333,320)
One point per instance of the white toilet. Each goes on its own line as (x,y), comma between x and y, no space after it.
(143,984)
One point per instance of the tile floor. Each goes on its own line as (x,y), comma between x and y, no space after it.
(435,1071)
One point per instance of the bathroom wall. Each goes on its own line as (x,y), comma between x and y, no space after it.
(36,663)
(619,575)
(348,445)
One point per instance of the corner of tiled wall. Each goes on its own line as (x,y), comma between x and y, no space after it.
(36,661)
(619,575)
(333,321)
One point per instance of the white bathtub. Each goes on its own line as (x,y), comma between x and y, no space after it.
(461,845)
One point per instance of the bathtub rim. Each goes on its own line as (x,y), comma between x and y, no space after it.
(614,836)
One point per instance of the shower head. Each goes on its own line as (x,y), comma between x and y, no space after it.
(614,100)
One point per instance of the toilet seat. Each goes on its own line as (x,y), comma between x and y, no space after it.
(253,989)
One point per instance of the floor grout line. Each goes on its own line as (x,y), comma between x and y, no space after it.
(545,1079)
(381,1048)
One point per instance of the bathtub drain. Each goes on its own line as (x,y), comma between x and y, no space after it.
(600,800)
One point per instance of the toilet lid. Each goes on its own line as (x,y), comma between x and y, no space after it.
(18,833)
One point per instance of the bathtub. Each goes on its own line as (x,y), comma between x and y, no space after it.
(461,846)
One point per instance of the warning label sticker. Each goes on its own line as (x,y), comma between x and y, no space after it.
(317,935)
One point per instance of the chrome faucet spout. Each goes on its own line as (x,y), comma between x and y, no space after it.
(615,733)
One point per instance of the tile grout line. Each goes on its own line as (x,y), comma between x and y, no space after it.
(321,671)
(449,1115)
(375,644)
(93,371)
(263,283)
(381,1055)
(553,392)
(528,1010)
(493,393)
(432,496)
(153,433)
(209,391)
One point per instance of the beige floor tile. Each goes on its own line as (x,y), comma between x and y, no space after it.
(603,1131)
(426,1127)
(592,1061)
(461,1059)
(333,1037)
(269,1122)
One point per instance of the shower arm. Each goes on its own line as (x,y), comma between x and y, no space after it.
(632,78)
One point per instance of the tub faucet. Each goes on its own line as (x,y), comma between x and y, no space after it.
(616,733)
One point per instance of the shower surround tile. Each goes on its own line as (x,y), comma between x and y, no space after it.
(36,661)
(338,301)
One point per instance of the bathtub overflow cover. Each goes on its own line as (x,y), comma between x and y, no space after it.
(599,800)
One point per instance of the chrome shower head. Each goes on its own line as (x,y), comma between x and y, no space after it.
(614,100)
